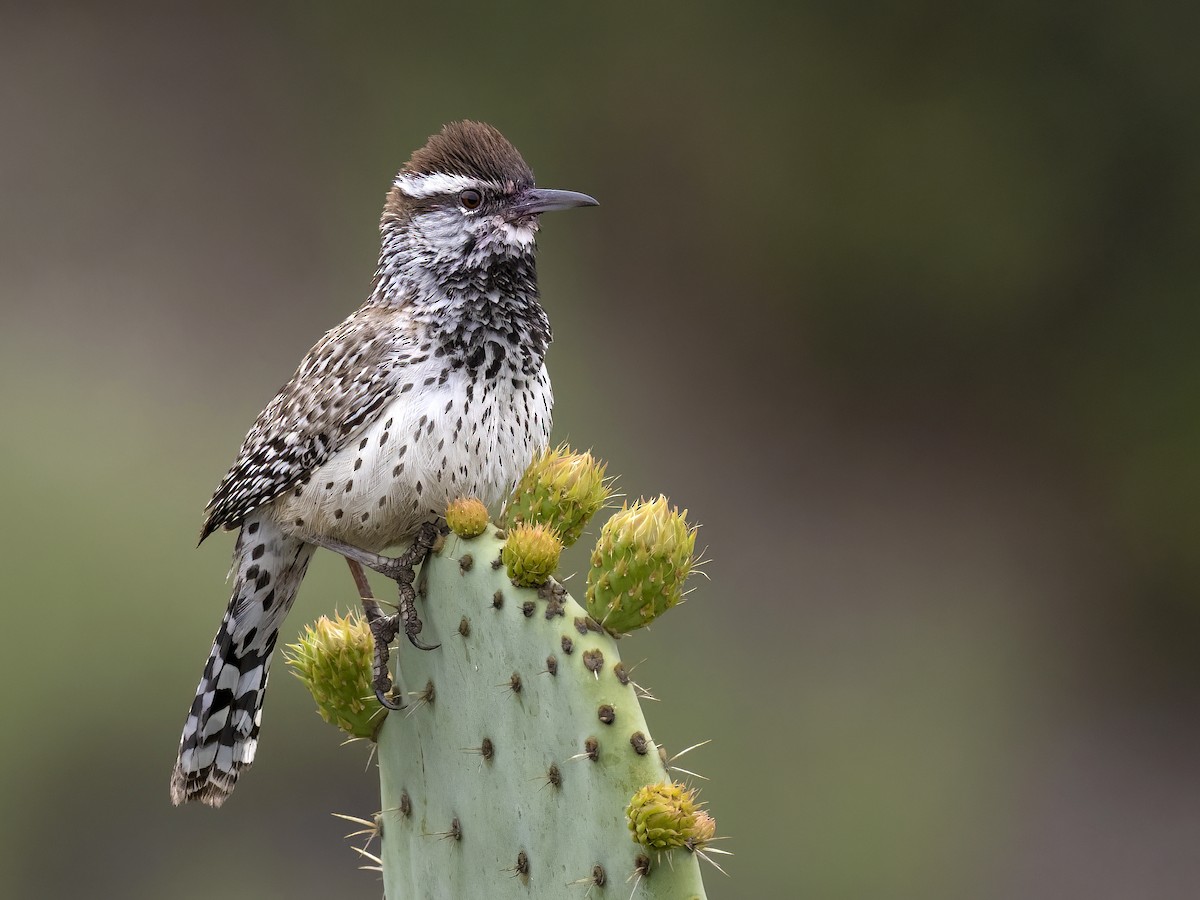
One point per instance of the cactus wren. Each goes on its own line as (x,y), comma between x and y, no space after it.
(436,387)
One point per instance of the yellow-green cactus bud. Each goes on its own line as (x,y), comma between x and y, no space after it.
(531,554)
(562,489)
(467,517)
(643,556)
(333,658)
(666,816)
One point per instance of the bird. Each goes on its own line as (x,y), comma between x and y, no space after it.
(434,388)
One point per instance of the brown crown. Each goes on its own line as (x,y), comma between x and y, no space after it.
(472,149)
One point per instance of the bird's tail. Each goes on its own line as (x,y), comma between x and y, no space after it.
(221,732)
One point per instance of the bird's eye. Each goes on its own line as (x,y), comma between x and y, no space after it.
(470,199)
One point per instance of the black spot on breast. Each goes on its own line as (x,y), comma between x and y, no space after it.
(252,528)
(263,580)
(258,551)
(252,573)
(476,357)
(337,513)
(349,485)
(363,444)
(358,464)
(268,599)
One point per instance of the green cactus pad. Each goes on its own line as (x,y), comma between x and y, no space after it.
(562,489)
(333,659)
(514,780)
(644,554)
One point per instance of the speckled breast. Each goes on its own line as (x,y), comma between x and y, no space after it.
(437,440)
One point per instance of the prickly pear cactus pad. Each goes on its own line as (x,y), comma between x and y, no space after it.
(511,772)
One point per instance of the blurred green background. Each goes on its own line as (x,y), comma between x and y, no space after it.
(898,299)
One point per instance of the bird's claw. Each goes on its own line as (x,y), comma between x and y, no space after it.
(420,644)
(383,632)
(385,697)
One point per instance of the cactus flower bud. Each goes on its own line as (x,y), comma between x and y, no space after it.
(333,658)
(467,517)
(531,554)
(643,556)
(666,816)
(562,489)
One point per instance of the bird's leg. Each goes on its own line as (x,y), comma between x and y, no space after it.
(385,628)
(413,557)
(383,632)
(399,569)
(370,606)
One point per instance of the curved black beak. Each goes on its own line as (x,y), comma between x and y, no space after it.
(540,200)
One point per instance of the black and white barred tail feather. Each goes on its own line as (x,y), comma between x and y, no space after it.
(221,732)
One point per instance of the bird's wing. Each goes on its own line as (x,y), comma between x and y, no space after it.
(342,384)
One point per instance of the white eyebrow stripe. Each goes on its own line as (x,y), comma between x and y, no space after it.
(420,186)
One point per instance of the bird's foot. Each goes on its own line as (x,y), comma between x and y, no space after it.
(384,628)
(383,632)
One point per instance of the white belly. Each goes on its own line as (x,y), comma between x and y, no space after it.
(430,445)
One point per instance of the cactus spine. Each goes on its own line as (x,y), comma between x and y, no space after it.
(523,765)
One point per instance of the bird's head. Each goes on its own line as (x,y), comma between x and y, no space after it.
(468,194)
